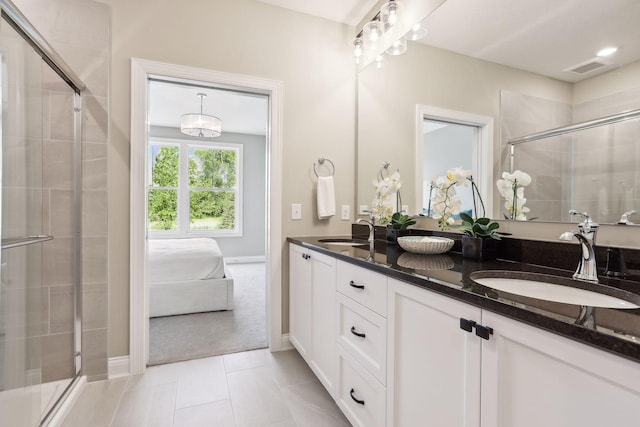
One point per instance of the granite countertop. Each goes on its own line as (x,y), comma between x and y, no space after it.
(614,330)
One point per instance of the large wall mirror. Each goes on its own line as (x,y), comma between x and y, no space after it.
(530,67)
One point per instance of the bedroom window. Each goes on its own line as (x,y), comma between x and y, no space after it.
(194,189)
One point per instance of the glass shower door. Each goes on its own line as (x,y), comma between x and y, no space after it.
(21,314)
(39,293)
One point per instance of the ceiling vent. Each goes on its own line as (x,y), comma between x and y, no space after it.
(588,66)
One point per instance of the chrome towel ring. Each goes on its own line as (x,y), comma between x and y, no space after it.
(321,161)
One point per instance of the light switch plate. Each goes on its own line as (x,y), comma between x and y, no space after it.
(296,211)
(405,209)
(345,213)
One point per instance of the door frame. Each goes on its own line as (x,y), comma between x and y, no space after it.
(141,71)
(483,151)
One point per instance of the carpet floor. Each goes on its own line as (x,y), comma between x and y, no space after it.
(193,336)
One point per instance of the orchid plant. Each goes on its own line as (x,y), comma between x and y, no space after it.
(511,187)
(387,194)
(445,202)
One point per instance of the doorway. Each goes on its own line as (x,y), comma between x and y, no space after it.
(142,72)
(206,220)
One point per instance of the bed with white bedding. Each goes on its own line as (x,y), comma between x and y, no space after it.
(187,276)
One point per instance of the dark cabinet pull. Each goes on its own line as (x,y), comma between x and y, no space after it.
(353,285)
(483,331)
(358,401)
(467,325)
(306,256)
(358,334)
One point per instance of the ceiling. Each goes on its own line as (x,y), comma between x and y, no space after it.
(348,12)
(541,36)
(240,112)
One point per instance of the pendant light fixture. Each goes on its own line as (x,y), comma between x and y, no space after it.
(200,125)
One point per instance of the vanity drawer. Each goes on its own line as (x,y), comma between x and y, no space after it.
(363,333)
(364,286)
(360,396)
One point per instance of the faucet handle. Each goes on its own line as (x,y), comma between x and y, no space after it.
(587,224)
(624,219)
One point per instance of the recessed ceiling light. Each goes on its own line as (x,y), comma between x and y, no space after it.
(607,51)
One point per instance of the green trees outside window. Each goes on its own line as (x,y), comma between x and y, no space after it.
(210,179)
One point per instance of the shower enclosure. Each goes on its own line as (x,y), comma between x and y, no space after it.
(40,322)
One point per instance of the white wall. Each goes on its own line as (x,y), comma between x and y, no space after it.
(311,56)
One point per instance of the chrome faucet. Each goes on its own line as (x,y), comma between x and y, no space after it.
(624,219)
(371,222)
(586,235)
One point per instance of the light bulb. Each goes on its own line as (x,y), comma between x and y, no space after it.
(398,47)
(357,50)
(389,15)
(371,32)
(418,31)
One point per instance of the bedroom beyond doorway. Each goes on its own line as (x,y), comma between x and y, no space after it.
(192,336)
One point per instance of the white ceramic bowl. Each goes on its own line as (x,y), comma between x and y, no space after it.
(425,244)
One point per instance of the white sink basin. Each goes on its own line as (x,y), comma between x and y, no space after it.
(343,242)
(557,289)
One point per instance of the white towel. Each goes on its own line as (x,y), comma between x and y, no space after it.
(326,197)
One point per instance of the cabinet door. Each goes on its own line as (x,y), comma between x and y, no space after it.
(433,376)
(533,378)
(300,300)
(323,319)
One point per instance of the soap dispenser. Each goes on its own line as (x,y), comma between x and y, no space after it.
(616,267)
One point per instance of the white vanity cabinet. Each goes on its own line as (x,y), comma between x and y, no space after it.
(312,304)
(362,345)
(521,376)
(532,378)
(433,365)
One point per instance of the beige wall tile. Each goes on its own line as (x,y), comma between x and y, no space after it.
(94,212)
(94,260)
(94,306)
(62,309)
(94,354)
(57,357)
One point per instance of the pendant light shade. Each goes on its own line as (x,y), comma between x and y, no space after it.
(200,125)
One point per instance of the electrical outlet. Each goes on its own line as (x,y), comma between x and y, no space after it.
(346,213)
(296,211)
(364,209)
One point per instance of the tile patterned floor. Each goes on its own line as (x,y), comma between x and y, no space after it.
(254,388)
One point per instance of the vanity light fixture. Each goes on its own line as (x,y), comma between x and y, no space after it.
(607,51)
(381,60)
(371,33)
(200,125)
(357,50)
(419,31)
(398,47)
(389,15)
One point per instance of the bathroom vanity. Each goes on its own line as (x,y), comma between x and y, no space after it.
(401,339)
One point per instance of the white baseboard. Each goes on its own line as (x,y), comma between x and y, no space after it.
(286,343)
(119,367)
(245,259)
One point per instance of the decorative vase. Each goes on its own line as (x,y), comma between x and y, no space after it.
(479,249)
(393,234)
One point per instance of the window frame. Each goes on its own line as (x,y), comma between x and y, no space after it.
(184,191)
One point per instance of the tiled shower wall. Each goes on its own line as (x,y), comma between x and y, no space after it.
(79,31)
(595,170)
(545,160)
